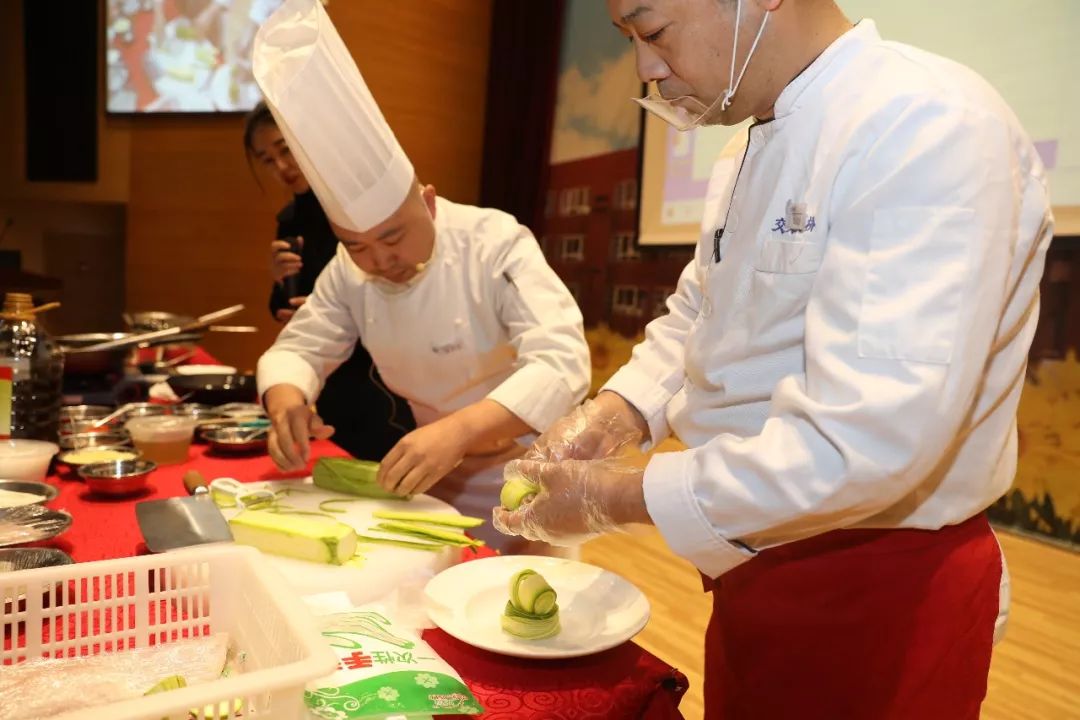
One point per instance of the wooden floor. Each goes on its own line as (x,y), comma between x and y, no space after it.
(1035,673)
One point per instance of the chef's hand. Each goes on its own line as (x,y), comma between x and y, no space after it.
(292,422)
(283,261)
(597,429)
(577,500)
(423,457)
(284,315)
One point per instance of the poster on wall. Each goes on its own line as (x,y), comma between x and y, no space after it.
(1037,83)
(597,78)
(590,232)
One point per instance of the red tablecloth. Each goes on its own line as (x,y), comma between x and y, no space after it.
(626,682)
(106,527)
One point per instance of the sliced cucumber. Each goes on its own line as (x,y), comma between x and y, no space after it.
(516,491)
(527,626)
(457,521)
(532,612)
(408,544)
(451,537)
(173,682)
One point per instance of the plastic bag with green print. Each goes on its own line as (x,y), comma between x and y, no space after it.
(384,668)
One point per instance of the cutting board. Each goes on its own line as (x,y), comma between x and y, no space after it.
(385,567)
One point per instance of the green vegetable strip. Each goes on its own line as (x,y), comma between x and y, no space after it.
(447,536)
(457,521)
(532,613)
(463,542)
(325,505)
(409,544)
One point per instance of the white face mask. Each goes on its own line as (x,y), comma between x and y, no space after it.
(683,119)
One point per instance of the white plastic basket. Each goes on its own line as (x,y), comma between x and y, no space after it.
(164,598)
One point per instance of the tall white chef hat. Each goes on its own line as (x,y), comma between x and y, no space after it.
(327,115)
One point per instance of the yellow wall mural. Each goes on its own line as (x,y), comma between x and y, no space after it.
(1045,498)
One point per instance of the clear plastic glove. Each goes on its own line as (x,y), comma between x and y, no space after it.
(576,500)
(597,429)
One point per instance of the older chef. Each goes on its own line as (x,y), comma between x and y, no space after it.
(843,357)
(459,310)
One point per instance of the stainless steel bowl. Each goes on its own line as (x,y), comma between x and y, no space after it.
(46,491)
(83,412)
(31,523)
(70,458)
(110,439)
(90,426)
(117,478)
(198,411)
(15,559)
(145,409)
(235,439)
(241,410)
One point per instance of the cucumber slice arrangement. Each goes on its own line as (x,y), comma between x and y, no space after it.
(532,612)
(516,491)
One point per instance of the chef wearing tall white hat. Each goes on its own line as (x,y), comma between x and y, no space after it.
(457,306)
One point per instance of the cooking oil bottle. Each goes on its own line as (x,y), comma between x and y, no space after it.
(31,373)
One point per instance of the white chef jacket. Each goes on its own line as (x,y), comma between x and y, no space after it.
(856,355)
(488,318)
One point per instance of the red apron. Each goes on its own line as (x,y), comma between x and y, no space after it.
(857,625)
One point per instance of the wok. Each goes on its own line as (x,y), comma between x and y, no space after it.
(215,389)
(78,361)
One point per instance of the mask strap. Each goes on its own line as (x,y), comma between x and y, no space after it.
(733,83)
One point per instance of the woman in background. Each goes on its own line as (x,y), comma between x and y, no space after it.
(368,418)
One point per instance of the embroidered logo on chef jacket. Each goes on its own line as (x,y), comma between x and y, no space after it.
(797,219)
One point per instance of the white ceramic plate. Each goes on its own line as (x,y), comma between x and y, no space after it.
(598,610)
(205,370)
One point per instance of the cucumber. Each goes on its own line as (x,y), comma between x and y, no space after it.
(351,477)
(532,612)
(527,626)
(318,541)
(457,521)
(403,543)
(450,537)
(173,682)
(516,491)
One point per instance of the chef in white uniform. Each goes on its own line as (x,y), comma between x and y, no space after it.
(843,357)
(457,306)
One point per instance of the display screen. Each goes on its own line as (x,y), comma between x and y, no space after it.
(177,56)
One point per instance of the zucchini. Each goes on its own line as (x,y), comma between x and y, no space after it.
(516,491)
(448,537)
(532,612)
(351,477)
(457,521)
